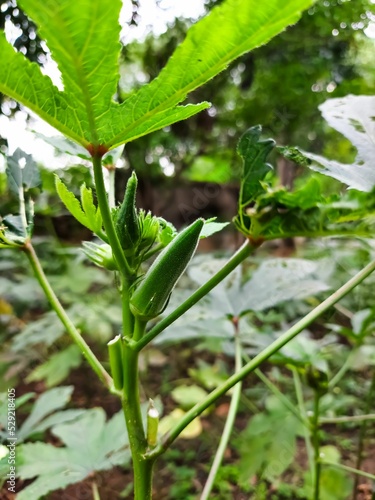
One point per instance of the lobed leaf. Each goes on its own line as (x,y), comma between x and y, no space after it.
(83,37)
(87,214)
(354,117)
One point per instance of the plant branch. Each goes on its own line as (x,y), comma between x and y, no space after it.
(244,251)
(349,419)
(170,436)
(350,469)
(316,444)
(64,318)
(280,396)
(362,431)
(107,217)
(302,408)
(230,418)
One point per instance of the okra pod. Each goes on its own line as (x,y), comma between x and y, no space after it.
(151,296)
(127,225)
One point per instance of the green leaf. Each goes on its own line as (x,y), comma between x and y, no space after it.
(354,117)
(230,30)
(188,395)
(268,444)
(91,444)
(254,152)
(83,37)
(22,172)
(46,404)
(87,214)
(211,227)
(58,366)
(92,212)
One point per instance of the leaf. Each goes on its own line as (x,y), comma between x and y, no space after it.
(211,227)
(91,211)
(91,444)
(230,30)
(354,117)
(188,395)
(280,280)
(22,172)
(83,37)
(58,366)
(268,444)
(48,402)
(254,152)
(87,214)
(191,431)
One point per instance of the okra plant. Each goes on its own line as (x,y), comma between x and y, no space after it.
(83,37)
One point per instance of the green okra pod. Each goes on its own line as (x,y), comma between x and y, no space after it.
(151,296)
(127,224)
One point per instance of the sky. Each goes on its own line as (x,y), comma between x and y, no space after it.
(153,18)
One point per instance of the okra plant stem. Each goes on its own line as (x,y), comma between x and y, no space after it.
(280,396)
(230,418)
(107,217)
(64,318)
(302,409)
(244,251)
(142,465)
(170,436)
(316,444)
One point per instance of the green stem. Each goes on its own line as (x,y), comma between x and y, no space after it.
(362,432)
(341,372)
(316,444)
(230,419)
(111,188)
(283,399)
(95,491)
(350,469)
(170,436)
(107,217)
(349,419)
(142,465)
(245,250)
(64,318)
(302,408)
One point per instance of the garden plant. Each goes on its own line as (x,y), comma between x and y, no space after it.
(145,253)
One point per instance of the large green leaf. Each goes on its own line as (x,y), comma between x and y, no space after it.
(83,37)
(354,117)
(91,444)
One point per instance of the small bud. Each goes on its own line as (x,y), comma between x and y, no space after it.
(101,255)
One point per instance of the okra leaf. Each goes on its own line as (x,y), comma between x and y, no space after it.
(83,37)
(22,172)
(90,444)
(46,404)
(266,212)
(254,152)
(87,214)
(57,367)
(231,29)
(211,227)
(352,116)
(91,211)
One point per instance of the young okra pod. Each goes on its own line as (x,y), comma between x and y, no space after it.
(127,225)
(151,296)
